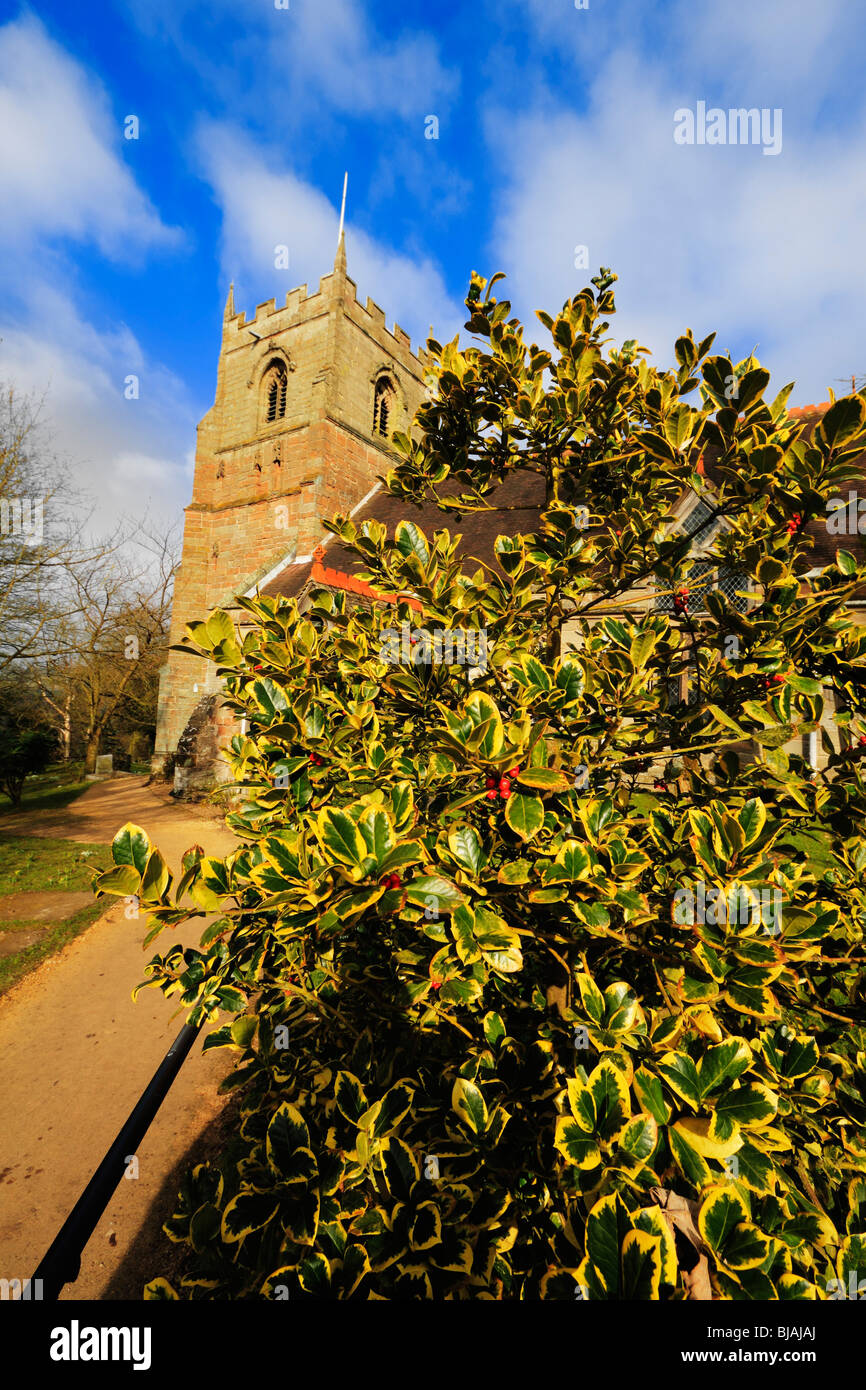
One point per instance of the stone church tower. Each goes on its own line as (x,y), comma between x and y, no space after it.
(307,396)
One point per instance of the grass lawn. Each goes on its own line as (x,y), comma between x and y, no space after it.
(30,864)
(57,786)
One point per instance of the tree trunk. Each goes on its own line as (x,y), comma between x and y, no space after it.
(91,751)
(66,729)
(65,713)
(14,787)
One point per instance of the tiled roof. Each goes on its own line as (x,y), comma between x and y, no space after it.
(824,543)
(808,412)
(517,505)
(518,502)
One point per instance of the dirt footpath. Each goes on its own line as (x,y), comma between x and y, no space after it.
(76,1053)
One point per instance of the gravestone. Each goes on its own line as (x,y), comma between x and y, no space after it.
(104,765)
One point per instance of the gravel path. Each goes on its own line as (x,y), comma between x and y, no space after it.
(77,1053)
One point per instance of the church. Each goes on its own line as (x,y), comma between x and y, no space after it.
(307,397)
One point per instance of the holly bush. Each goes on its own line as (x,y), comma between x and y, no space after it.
(510,1018)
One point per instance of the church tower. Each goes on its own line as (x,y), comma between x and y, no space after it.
(307,397)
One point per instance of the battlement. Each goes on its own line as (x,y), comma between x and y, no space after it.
(300,306)
(370,315)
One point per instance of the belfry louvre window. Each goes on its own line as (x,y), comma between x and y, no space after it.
(383,406)
(275,386)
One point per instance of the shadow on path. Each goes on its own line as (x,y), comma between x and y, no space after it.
(151,1254)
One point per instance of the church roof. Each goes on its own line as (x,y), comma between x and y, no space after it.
(517,503)
(516,507)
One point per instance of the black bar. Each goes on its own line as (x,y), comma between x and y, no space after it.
(62,1262)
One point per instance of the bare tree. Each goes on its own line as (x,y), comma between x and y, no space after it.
(83,619)
(116,637)
(40,534)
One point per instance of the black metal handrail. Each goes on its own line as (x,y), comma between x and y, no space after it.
(62,1262)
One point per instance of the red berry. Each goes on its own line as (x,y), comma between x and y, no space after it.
(490,781)
(515,772)
(491,795)
(504,788)
(861,740)
(777,680)
(660,786)
(681,601)
(437,984)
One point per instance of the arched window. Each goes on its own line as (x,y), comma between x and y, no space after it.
(274,388)
(384,401)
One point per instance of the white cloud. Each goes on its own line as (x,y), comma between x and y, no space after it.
(286,59)
(788,48)
(61,170)
(265,206)
(62,180)
(765,250)
(774,44)
(130,456)
(356,68)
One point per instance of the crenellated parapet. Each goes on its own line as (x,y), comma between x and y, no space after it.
(301,307)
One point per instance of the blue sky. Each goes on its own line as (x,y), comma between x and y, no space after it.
(555,130)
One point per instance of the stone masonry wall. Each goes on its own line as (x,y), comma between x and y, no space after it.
(261,489)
